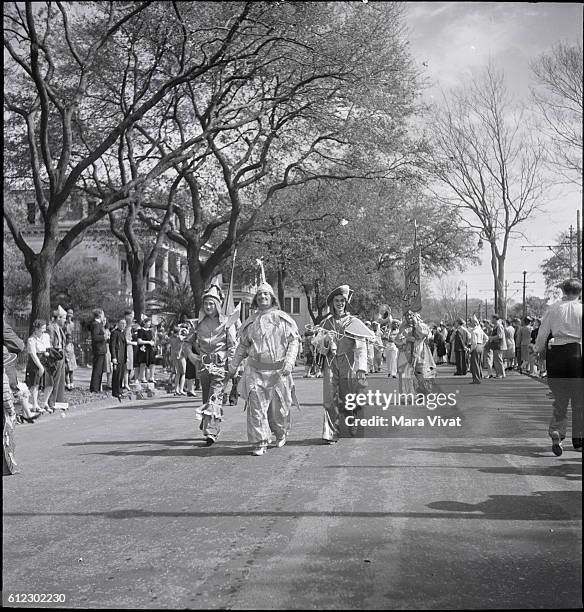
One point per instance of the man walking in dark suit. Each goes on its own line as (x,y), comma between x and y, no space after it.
(118,350)
(98,348)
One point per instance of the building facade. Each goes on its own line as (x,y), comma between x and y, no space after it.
(101,247)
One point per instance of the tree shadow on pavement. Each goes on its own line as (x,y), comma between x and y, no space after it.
(564,469)
(539,506)
(492,449)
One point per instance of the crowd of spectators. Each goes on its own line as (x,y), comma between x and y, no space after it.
(485,348)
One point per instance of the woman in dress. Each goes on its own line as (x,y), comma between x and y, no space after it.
(509,354)
(498,344)
(37,359)
(146,351)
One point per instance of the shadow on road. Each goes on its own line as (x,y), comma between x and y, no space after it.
(491,449)
(189,447)
(539,506)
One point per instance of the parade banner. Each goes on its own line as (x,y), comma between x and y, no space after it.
(412,271)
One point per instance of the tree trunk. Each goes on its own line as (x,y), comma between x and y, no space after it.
(41,270)
(138,287)
(500,281)
(498,269)
(307,290)
(195,277)
(281,285)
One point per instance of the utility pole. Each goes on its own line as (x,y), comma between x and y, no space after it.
(525,282)
(571,258)
(578,246)
(505,310)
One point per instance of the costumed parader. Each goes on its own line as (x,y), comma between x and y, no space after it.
(415,365)
(342,340)
(215,346)
(270,341)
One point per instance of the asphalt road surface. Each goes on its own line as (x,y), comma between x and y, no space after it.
(123,506)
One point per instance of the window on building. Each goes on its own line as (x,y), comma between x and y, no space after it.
(90,259)
(295,305)
(31,212)
(91,206)
(288,305)
(124,271)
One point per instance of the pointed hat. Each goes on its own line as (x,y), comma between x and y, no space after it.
(214,292)
(264,285)
(343,290)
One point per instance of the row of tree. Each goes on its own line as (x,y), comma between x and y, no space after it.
(282,129)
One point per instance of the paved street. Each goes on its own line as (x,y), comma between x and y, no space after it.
(123,506)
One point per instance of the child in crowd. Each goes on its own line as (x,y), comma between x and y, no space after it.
(70,361)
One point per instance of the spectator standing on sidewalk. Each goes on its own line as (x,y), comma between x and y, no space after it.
(478,338)
(510,342)
(57,356)
(534,362)
(130,345)
(70,361)
(37,358)
(522,342)
(563,321)
(461,343)
(497,344)
(118,348)
(107,368)
(146,342)
(98,348)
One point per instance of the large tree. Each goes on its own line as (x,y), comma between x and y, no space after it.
(558,95)
(488,164)
(62,131)
(355,232)
(562,262)
(326,96)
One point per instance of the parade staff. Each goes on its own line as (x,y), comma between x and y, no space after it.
(215,346)
(270,341)
(345,362)
(563,321)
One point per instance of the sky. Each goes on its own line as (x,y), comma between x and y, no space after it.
(450,40)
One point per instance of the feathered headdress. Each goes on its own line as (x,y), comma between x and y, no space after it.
(264,285)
